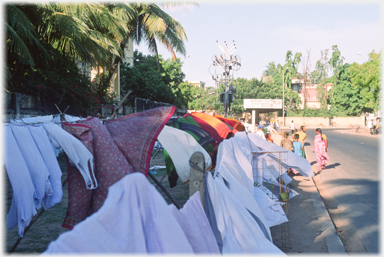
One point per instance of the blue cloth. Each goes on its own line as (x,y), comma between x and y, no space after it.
(297,145)
(22,207)
(37,168)
(45,147)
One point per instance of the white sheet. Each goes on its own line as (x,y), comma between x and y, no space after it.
(239,230)
(295,161)
(195,225)
(77,153)
(134,219)
(22,207)
(236,169)
(180,146)
(44,145)
(37,168)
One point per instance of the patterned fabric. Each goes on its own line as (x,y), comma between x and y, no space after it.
(135,134)
(219,126)
(207,127)
(79,197)
(235,124)
(110,166)
(200,135)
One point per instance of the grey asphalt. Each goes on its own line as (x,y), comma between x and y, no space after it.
(310,227)
(350,187)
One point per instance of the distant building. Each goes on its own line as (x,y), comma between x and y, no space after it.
(312,100)
(199,84)
(94,72)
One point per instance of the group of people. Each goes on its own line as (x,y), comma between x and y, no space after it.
(320,145)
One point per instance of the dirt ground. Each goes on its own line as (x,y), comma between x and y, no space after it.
(47,227)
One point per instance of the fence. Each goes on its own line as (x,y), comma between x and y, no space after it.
(21,106)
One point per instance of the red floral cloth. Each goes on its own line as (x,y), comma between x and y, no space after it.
(136,133)
(110,165)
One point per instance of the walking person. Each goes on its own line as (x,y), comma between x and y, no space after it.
(320,146)
(297,145)
(292,126)
(285,142)
(302,137)
(260,133)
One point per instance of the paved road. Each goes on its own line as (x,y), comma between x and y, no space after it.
(349,187)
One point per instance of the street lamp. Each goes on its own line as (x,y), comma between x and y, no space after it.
(283,97)
(187,69)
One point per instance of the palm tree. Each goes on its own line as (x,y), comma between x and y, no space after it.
(21,35)
(147,21)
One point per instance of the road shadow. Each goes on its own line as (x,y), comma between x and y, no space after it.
(313,163)
(332,166)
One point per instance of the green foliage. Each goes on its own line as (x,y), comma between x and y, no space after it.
(366,78)
(146,81)
(60,84)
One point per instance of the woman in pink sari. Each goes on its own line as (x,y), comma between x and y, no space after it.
(319,146)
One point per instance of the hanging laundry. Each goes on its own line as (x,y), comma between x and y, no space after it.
(37,168)
(136,133)
(205,126)
(247,146)
(22,207)
(134,219)
(44,145)
(240,233)
(47,118)
(293,160)
(180,146)
(200,135)
(236,124)
(233,165)
(110,166)
(195,225)
(221,127)
(77,153)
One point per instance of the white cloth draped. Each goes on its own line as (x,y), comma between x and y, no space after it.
(134,219)
(22,207)
(195,225)
(180,146)
(37,168)
(240,231)
(236,169)
(44,145)
(77,153)
(293,160)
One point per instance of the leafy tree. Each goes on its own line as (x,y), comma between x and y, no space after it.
(319,76)
(346,97)
(366,78)
(336,61)
(146,81)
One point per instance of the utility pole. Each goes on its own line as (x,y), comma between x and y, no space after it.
(229,63)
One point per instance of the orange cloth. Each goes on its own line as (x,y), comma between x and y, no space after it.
(235,124)
(218,125)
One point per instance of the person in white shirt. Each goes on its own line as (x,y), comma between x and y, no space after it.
(246,125)
(260,133)
(292,126)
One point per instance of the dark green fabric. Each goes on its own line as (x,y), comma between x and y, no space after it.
(171,171)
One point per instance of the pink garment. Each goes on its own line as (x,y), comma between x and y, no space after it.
(319,148)
(135,134)
(110,166)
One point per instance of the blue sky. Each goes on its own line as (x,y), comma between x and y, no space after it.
(264,32)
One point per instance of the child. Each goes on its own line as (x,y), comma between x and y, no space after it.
(297,145)
(285,142)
